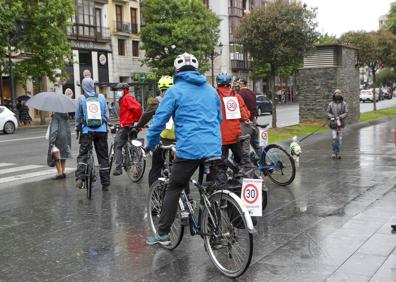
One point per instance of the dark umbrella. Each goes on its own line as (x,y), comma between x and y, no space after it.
(23,98)
(52,102)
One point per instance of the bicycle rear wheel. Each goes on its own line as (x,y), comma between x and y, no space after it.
(136,164)
(154,207)
(284,169)
(229,245)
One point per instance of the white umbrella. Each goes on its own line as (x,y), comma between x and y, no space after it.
(52,102)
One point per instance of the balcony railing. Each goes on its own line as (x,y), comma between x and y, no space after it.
(89,33)
(241,65)
(125,27)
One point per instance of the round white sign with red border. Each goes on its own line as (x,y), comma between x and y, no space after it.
(251,196)
(93,108)
(231,105)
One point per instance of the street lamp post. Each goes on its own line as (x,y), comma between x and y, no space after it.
(18,32)
(13,96)
(214,55)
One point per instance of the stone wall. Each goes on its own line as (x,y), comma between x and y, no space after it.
(317,84)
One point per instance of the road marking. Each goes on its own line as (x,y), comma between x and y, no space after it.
(28,138)
(21,139)
(6,164)
(19,168)
(31,175)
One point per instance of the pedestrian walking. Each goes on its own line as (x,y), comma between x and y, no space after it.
(59,138)
(24,116)
(91,125)
(337,112)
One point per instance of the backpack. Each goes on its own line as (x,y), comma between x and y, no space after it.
(93,118)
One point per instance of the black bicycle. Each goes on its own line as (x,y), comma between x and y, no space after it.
(221,220)
(134,157)
(89,173)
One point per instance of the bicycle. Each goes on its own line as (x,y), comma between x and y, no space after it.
(275,162)
(89,173)
(133,155)
(222,221)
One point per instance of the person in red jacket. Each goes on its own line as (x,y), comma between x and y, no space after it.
(234,111)
(130,112)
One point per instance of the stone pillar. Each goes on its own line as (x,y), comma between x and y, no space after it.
(328,68)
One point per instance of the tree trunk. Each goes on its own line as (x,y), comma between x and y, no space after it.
(374,84)
(43,87)
(273,72)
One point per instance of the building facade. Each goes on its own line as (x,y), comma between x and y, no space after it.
(125,22)
(90,38)
(231,56)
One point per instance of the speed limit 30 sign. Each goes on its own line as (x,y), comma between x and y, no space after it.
(252,195)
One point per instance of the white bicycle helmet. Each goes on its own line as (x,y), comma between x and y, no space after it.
(185,60)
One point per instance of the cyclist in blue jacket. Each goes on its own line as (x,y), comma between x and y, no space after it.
(196,111)
(91,123)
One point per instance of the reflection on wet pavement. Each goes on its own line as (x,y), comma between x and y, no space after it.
(331,223)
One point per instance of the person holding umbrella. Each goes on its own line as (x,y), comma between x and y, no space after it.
(59,142)
(59,135)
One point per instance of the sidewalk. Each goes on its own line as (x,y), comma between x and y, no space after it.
(333,222)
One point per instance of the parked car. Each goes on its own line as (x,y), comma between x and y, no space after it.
(367,95)
(263,105)
(8,120)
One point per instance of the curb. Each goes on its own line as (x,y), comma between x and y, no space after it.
(324,135)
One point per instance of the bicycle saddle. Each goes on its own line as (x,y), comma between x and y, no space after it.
(262,125)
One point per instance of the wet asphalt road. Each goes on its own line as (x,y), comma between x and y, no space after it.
(331,223)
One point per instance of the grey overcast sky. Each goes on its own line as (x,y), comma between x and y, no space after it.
(339,16)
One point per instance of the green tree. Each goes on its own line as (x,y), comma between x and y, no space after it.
(8,18)
(174,27)
(375,49)
(386,76)
(279,34)
(326,38)
(45,40)
(391,22)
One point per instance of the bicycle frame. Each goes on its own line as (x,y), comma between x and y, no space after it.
(195,223)
(272,166)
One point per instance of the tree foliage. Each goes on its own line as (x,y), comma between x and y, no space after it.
(326,38)
(44,38)
(279,34)
(386,76)
(174,27)
(8,20)
(375,49)
(391,22)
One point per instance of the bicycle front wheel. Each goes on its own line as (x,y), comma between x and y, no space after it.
(227,238)
(136,164)
(284,168)
(154,207)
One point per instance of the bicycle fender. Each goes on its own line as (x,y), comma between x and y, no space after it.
(245,211)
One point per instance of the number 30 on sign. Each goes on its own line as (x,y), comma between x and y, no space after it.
(251,196)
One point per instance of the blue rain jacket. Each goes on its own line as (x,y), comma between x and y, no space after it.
(81,111)
(196,111)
